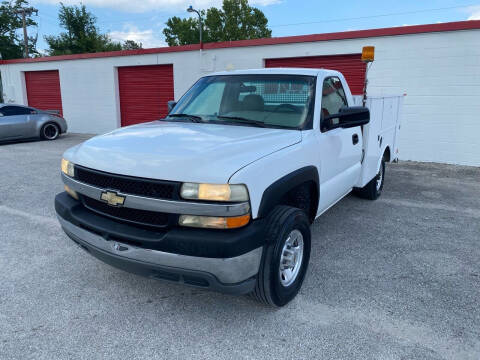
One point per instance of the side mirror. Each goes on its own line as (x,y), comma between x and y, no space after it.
(348,117)
(171,104)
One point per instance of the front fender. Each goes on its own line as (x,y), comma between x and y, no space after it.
(290,164)
(273,195)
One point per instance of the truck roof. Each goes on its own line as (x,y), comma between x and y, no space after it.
(288,71)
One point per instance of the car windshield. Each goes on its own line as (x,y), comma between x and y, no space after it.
(284,101)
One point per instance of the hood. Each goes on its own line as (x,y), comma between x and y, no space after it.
(180,151)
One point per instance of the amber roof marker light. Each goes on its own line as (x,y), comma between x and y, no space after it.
(368,55)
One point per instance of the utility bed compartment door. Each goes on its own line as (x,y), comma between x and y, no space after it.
(381,132)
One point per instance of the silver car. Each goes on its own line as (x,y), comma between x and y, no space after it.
(24,122)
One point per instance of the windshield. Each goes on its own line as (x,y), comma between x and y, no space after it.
(259,100)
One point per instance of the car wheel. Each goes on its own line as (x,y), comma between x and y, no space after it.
(285,256)
(373,189)
(50,131)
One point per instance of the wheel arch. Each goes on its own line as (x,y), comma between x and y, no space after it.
(44,119)
(278,192)
(387,155)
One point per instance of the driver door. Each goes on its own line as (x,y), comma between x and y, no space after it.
(340,149)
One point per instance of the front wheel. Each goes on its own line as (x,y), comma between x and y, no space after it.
(285,257)
(373,189)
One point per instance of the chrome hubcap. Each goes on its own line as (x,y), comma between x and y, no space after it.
(291,258)
(380,178)
(50,131)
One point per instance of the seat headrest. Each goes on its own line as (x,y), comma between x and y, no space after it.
(253,102)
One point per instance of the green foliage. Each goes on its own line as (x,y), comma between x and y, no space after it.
(131,45)
(237,20)
(181,31)
(81,35)
(11,40)
(242,21)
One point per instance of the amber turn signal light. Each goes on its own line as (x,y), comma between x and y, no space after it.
(213,222)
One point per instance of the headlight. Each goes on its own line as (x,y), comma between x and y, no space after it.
(214,192)
(214,222)
(67,168)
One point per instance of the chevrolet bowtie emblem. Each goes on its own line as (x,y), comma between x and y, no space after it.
(112,198)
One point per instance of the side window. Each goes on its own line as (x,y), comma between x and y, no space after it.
(8,110)
(333,96)
(15,110)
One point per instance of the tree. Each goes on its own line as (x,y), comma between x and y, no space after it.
(131,45)
(11,43)
(82,34)
(237,20)
(181,31)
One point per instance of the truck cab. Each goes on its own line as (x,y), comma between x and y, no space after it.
(221,193)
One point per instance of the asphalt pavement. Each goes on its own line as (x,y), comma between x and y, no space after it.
(396,278)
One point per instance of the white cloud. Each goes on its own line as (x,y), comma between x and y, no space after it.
(148,38)
(148,5)
(474,12)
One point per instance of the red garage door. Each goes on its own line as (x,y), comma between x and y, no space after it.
(144,92)
(43,90)
(351,66)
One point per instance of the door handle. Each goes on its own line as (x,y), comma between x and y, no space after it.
(355,139)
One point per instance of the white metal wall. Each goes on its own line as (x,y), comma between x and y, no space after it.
(439,72)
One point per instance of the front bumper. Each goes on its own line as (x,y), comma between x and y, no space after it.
(99,236)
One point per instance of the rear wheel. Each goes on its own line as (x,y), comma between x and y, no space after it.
(285,257)
(50,131)
(373,189)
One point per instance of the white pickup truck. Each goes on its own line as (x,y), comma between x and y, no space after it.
(221,193)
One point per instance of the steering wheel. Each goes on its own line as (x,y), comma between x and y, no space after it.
(288,107)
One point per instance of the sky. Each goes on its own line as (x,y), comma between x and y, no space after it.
(144,20)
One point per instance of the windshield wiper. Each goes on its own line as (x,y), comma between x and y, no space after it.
(238,119)
(193,118)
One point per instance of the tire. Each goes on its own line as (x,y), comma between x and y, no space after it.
(373,189)
(284,224)
(50,131)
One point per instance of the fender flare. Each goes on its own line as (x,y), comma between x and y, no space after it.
(273,195)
